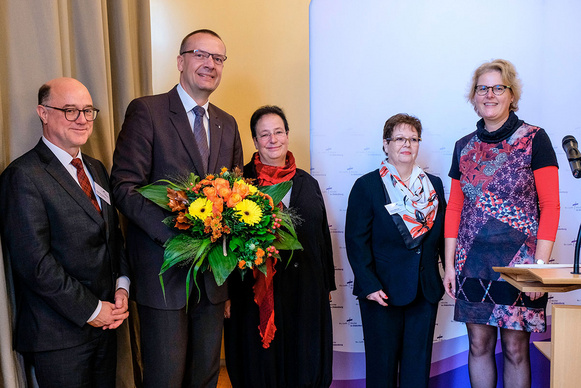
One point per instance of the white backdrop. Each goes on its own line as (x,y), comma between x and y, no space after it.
(375,58)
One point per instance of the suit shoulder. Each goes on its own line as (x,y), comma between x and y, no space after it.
(371,178)
(436,181)
(25,161)
(151,100)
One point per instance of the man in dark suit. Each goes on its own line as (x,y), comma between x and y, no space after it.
(168,136)
(65,248)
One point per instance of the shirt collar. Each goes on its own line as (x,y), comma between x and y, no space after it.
(62,155)
(189,102)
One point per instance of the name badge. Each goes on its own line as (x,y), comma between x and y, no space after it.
(102,193)
(394,207)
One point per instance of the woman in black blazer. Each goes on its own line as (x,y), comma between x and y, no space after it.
(394,238)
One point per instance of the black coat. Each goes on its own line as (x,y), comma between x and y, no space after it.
(376,250)
(301,353)
(65,256)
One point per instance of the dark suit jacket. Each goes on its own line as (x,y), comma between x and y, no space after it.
(65,257)
(157,142)
(377,253)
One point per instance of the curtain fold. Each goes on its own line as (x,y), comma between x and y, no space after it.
(105,44)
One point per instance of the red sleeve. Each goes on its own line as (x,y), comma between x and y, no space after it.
(547,185)
(454,210)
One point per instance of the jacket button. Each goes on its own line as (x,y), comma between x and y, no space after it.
(418,251)
(296,264)
(421,268)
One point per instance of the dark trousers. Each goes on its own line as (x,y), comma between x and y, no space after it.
(90,365)
(179,348)
(398,337)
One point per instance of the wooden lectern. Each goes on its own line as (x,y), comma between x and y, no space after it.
(564,350)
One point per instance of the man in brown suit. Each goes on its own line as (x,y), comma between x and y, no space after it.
(167,136)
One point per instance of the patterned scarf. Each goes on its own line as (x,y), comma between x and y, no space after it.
(263,288)
(414,207)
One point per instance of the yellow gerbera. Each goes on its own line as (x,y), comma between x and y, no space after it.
(200,208)
(249,212)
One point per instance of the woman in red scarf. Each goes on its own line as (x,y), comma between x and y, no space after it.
(287,341)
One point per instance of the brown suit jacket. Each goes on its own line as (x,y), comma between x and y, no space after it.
(157,142)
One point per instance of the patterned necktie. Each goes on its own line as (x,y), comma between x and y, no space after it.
(84,182)
(200,136)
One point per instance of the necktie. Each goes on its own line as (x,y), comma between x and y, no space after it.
(200,136)
(84,182)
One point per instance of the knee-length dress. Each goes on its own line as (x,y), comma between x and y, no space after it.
(499,222)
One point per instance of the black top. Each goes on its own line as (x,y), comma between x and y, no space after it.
(300,354)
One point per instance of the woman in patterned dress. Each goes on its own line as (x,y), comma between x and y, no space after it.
(503,210)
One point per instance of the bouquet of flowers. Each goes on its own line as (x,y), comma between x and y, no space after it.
(223,223)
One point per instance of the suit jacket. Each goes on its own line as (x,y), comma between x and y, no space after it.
(157,142)
(376,251)
(64,255)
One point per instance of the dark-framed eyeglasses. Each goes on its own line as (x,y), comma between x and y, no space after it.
(72,114)
(482,90)
(219,59)
(400,140)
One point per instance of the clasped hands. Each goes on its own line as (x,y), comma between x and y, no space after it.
(112,315)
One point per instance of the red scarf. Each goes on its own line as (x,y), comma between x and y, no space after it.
(271,175)
(263,291)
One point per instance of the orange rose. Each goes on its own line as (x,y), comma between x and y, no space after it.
(210,193)
(220,182)
(234,199)
(241,188)
(224,192)
(217,206)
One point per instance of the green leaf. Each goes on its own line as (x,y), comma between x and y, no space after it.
(236,242)
(278,191)
(156,194)
(222,266)
(286,241)
(182,248)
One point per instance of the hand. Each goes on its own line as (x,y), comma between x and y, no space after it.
(450,283)
(534,295)
(112,315)
(379,297)
(227,306)
(121,307)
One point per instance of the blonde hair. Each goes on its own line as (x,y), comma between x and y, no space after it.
(509,77)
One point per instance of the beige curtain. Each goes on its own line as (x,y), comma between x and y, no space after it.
(106,44)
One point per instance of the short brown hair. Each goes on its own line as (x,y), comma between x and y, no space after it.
(509,77)
(401,118)
(201,31)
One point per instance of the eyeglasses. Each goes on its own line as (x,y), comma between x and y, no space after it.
(219,59)
(482,90)
(279,134)
(400,140)
(72,114)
